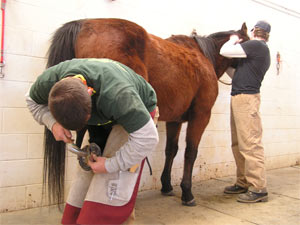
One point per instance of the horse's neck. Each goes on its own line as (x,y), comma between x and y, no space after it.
(209,46)
(222,63)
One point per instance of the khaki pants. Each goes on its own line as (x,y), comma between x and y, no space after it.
(246,135)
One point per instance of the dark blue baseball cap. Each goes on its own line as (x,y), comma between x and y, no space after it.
(263,25)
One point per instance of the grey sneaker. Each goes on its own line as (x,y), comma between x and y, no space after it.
(235,189)
(252,197)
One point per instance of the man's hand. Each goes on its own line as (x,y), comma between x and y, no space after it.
(61,134)
(97,164)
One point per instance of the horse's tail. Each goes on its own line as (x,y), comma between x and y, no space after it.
(54,168)
(63,43)
(61,49)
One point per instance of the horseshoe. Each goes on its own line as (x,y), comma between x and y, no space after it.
(84,153)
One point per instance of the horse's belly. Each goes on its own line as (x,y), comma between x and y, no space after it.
(172,108)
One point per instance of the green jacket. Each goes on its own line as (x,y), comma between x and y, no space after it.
(121,95)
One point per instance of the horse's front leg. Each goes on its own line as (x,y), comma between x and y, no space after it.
(195,130)
(173,131)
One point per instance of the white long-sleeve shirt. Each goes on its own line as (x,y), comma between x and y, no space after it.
(40,113)
(231,49)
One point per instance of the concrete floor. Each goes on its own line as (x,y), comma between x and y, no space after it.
(213,207)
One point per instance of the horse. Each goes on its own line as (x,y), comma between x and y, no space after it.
(183,70)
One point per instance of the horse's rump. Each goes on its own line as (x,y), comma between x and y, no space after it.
(116,39)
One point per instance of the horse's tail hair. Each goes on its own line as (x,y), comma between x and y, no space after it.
(61,49)
(54,168)
(62,45)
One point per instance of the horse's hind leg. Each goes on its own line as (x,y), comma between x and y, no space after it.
(99,134)
(80,136)
(195,130)
(173,131)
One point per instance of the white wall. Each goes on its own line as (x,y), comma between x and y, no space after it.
(28,28)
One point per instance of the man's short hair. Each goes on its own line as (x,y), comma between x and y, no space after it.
(70,103)
(262,29)
(258,32)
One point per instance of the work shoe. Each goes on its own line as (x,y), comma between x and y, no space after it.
(252,197)
(235,189)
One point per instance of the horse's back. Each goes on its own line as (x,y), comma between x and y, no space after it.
(175,71)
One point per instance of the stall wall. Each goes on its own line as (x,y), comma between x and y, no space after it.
(28,29)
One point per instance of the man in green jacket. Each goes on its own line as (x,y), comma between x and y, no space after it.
(81,92)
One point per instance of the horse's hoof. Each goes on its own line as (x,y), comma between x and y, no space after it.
(189,203)
(170,193)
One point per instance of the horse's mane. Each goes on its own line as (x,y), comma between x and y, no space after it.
(210,44)
(222,34)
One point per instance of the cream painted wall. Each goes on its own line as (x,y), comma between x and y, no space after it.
(28,28)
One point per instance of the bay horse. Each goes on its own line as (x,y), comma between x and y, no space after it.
(183,70)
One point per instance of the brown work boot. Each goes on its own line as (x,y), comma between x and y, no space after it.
(252,197)
(235,189)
